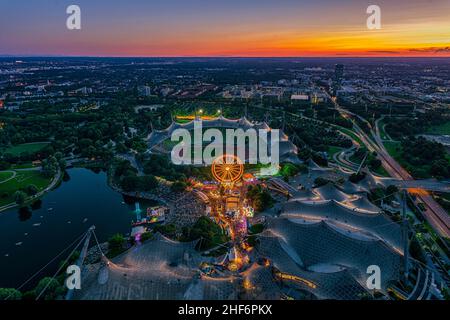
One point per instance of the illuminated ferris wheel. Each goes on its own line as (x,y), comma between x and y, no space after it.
(227,169)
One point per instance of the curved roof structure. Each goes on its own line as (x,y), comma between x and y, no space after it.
(157,269)
(262,282)
(332,258)
(305,195)
(329,191)
(330,210)
(288,151)
(357,200)
(364,204)
(208,288)
(350,187)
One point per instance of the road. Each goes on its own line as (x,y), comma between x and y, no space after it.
(342,158)
(433,212)
(12,177)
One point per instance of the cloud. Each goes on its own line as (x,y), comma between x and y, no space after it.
(383,51)
(431,50)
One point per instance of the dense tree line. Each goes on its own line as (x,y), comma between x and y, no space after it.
(309,135)
(398,129)
(425,157)
(259,198)
(126,176)
(209,234)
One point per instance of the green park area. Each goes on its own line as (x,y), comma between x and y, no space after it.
(332,150)
(23,165)
(381,171)
(25,147)
(442,129)
(423,159)
(21,181)
(351,134)
(5,175)
(394,149)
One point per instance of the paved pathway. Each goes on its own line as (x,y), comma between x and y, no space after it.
(55,180)
(12,177)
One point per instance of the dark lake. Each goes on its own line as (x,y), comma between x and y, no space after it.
(29,239)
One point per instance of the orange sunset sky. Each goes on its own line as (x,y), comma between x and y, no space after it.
(226,28)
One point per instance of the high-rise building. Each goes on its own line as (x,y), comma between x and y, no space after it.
(338,76)
(144,91)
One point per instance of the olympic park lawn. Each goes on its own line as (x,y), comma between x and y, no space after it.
(25,147)
(443,129)
(351,134)
(5,175)
(332,150)
(20,181)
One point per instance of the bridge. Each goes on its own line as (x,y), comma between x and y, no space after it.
(425,184)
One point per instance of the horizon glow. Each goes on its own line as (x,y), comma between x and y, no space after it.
(177,28)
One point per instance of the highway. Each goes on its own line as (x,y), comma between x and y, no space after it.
(433,212)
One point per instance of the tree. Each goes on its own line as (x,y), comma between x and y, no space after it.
(20,197)
(62,164)
(52,288)
(289,169)
(49,167)
(168,230)
(58,155)
(31,190)
(148,182)
(135,183)
(259,197)
(304,153)
(4,165)
(319,181)
(129,183)
(377,193)
(440,168)
(416,250)
(10,294)
(116,245)
(116,241)
(178,186)
(390,190)
(124,168)
(357,177)
(121,148)
(210,233)
(309,113)
(375,163)
(320,160)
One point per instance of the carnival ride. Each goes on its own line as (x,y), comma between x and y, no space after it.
(227,169)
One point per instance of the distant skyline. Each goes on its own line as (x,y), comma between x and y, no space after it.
(252,28)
